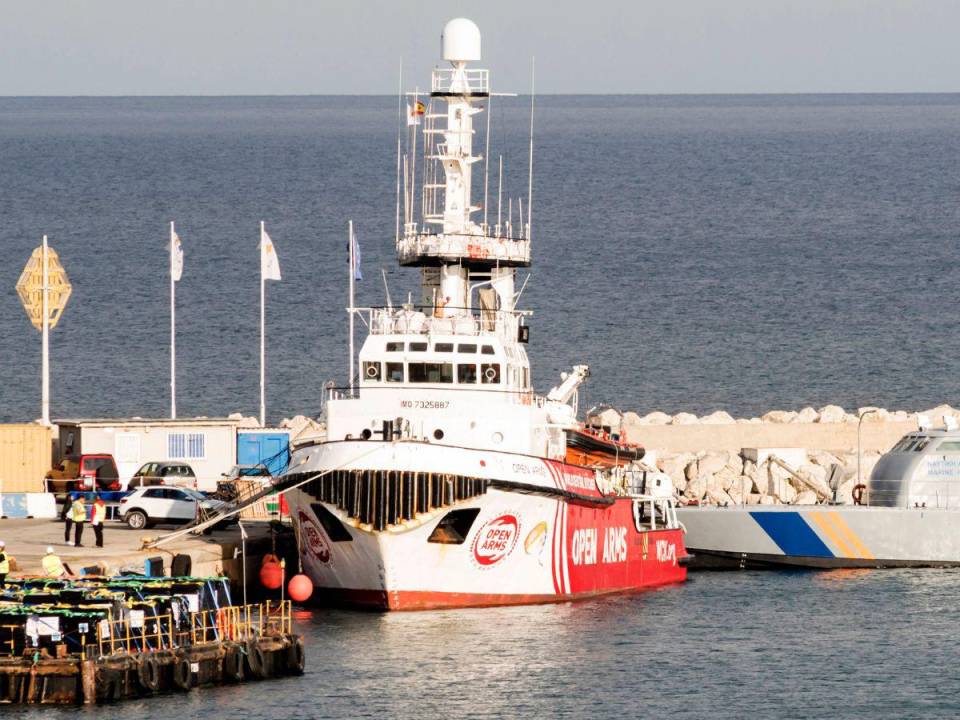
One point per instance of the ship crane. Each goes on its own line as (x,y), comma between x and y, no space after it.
(561,410)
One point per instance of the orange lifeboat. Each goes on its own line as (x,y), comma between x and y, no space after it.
(593,448)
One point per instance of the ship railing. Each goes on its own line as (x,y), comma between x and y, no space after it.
(443,320)
(464,81)
(240,622)
(654,512)
(496,244)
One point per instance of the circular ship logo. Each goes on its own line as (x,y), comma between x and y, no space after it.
(495,540)
(314,538)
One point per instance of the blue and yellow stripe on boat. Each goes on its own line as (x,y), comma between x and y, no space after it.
(794,535)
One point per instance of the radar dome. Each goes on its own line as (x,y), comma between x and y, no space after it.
(460,41)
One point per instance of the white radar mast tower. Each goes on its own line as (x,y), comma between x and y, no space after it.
(460,255)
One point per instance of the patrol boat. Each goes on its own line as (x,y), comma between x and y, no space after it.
(443,479)
(908,515)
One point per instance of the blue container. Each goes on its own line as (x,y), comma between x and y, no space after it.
(269,448)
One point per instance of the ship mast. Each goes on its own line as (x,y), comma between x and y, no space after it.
(458,254)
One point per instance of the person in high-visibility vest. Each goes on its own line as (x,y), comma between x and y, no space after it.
(4,564)
(52,566)
(78,513)
(99,515)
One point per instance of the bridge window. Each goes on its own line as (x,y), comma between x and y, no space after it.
(490,373)
(443,347)
(394,347)
(487,350)
(431,372)
(395,372)
(418,347)
(467,374)
(949,447)
(371,371)
(467,348)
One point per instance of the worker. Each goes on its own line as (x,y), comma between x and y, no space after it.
(4,564)
(67,519)
(52,566)
(99,516)
(78,513)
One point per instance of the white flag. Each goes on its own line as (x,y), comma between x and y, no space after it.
(413,117)
(176,258)
(269,263)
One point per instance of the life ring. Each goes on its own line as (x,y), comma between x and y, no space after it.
(233,664)
(182,673)
(858,492)
(256,660)
(372,371)
(489,373)
(296,658)
(148,673)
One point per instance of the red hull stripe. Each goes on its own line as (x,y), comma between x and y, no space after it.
(428,600)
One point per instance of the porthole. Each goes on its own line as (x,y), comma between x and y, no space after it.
(366,434)
(497,437)
(438,434)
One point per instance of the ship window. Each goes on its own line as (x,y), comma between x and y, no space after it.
(487,350)
(454,527)
(490,373)
(921,445)
(949,446)
(443,347)
(431,372)
(903,444)
(371,371)
(394,347)
(395,372)
(467,374)
(418,347)
(467,348)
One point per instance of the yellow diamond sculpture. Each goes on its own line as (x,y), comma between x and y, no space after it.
(30,288)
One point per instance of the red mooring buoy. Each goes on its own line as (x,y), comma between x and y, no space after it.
(271,573)
(300,588)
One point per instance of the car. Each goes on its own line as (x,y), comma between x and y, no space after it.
(174,474)
(88,472)
(153,505)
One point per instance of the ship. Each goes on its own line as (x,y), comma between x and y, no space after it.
(907,514)
(443,479)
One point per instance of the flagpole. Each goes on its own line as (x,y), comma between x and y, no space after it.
(352,273)
(45,361)
(263,337)
(173,333)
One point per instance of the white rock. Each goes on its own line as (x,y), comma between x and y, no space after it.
(823,458)
(779,416)
(832,414)
(755,421)
(712,461)
(807,497)
(719,417)
(807,415)
(845,492)
(719,497)
(696,488)
(692,470)
(754,498)
(684,418)
(743,421)
(767,500)
(655,418)
(749,468)
(902,416)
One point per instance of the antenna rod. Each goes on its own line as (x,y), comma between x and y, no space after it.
(352,270)
(486,163)
(499,194)
(413,156)
(386,289)
(399,126)
(533,73)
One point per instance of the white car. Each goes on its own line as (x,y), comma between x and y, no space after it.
(148,506)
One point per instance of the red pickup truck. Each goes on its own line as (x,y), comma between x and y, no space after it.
(84,472)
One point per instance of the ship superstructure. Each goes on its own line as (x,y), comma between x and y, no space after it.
(444,479)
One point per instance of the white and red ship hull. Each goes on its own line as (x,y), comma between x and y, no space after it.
(542,532)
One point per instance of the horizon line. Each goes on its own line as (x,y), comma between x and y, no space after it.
(799,93)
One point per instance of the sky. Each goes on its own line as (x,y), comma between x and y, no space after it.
(296,47)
